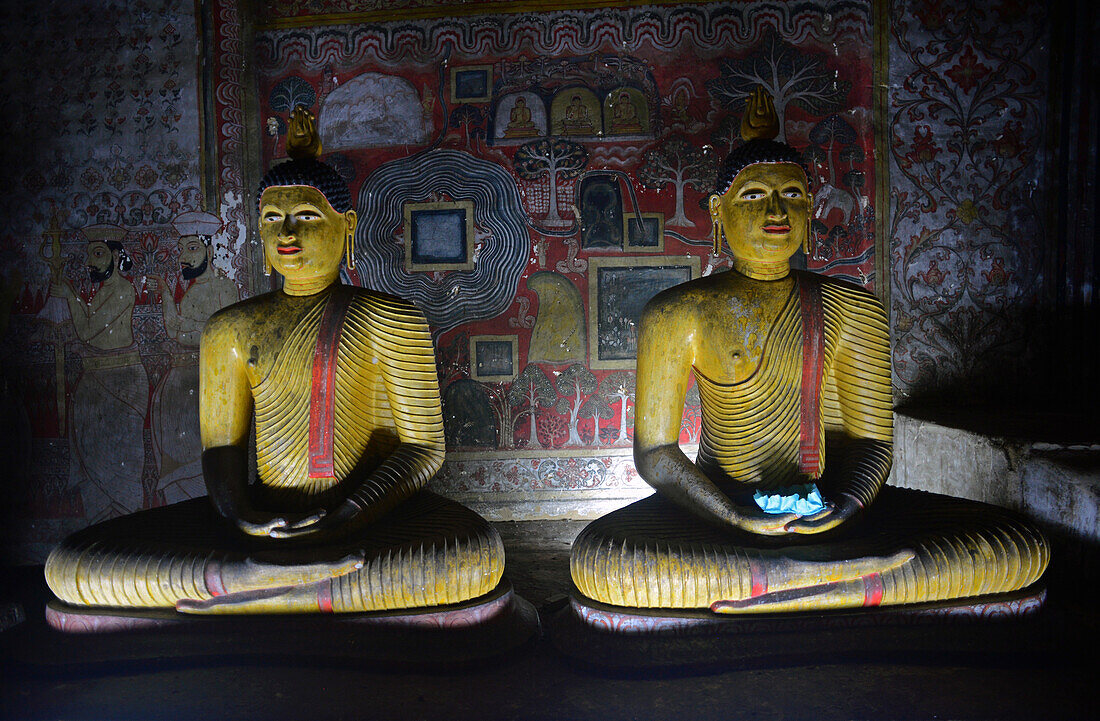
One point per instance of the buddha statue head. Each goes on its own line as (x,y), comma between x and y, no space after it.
(761,202)
(306,220)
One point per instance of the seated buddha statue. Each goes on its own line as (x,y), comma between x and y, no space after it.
(339,384)
(784,508)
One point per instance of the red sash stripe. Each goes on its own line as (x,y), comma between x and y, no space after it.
(324,596)
(759,578)
(813,361)
(212,577)
(322,395)
(872,589)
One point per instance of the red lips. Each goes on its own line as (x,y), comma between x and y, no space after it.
(288,249)
(777,229)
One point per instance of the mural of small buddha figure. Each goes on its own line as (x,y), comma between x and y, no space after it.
(339,384)
(785,507)
(520,124)
(624,116)
(576,119)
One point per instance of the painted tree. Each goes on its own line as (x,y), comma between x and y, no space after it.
(830,133)
(679,163)
(291,92)
(621,384)
(727,134)
(789,75)
(854,180)
(575,384)
(814,158)
(596,407)
(530,391)
(852,154)
(833,134)
(471,119)
(501,403)
(555,158)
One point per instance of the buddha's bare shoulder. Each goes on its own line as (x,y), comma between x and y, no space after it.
(233,317)
(683,300)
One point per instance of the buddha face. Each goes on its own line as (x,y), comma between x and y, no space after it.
(303,235)
(765,213)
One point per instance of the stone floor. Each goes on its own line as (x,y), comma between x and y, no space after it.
(1043,668)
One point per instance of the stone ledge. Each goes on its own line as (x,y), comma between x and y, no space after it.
(1053,477)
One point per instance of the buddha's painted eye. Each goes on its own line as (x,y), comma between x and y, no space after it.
(307,215)
(752,194)
(793,193)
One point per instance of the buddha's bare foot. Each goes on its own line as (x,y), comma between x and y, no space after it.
(293,599)
(240,602)
(793,585)
(842,584)
(795,574)
(810,598)
(791,599)
(254,574)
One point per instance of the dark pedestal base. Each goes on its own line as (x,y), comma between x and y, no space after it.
(614,637)
(421,638)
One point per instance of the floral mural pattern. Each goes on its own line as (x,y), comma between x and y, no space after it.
(967,202)
(108,151)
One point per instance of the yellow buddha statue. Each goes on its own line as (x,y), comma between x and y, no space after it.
(340,386)
(784,508)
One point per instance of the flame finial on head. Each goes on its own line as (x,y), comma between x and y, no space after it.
(303,145)
(760,121)
(759,128)
(302,140)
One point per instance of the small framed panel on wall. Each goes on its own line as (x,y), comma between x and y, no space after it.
(439,236)
(494,358)
(618,289)
(471,83)
(645,234)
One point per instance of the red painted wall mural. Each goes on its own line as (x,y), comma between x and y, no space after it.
(530,180)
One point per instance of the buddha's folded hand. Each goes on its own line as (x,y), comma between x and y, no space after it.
(763,524)
(835,513)
(256,523)
(321,526)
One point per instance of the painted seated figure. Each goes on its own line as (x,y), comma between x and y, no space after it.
(624,116)
(341,384)
(577,120)
(784,508)
(520,124)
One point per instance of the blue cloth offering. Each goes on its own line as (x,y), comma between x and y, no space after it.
(805,500)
